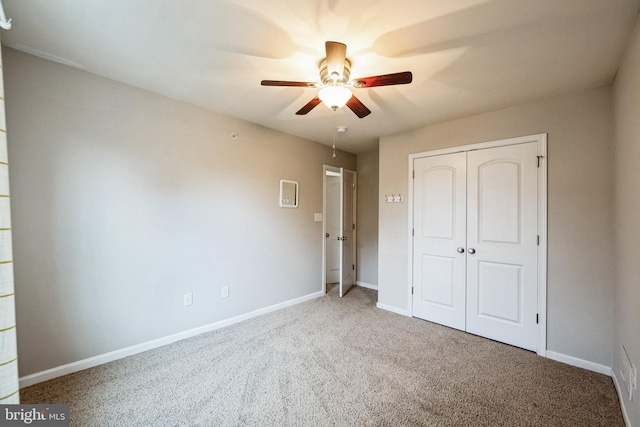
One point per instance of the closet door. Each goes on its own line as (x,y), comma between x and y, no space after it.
(502,244)
(439,239)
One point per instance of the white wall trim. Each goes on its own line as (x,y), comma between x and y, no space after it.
(481,145)
(595,367)
(621,398)
(367,285)
(394,309)
(91,362)
(580,363)
(409,290)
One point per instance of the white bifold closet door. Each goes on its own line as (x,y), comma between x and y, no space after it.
(475,242)
(440,228)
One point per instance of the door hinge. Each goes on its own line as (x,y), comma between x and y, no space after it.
(353,226)
(412,290)
(353,266)
(413,232)
(353,185)
(539,157)
(537,318)
(538,240)
(414,174)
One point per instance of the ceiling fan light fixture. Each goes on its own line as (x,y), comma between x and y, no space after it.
(335,84)
(335,97)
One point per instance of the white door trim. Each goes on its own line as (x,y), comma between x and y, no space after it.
(337,170)
(334,169)
(541,140)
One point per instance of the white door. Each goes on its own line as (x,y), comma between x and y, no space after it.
(475,247)
(347,231)
(332,258)
(439,230)
(502,280)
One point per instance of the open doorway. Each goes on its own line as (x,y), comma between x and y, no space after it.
(339,229)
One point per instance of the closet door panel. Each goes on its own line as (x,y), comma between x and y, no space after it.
(502,244)
(439,270)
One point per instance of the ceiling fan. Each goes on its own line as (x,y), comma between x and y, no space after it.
(334,84)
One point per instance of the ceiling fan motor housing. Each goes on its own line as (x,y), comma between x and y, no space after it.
(326,79)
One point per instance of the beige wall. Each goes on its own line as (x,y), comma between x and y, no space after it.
(126,200)
(626,97)
(580,261)
(368,218)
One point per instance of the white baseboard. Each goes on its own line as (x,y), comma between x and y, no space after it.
(80,365)
(621,397)
(595,367)
(367,285)
(393,309)
(580,363)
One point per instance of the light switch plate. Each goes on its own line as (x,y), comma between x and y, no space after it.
(188,299)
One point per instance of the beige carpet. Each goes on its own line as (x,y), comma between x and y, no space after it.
(334,362)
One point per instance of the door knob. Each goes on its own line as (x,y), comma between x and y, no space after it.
(326,235)
(472,251)
(460,250)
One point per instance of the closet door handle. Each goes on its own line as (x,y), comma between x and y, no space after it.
(472,251)
(460,250)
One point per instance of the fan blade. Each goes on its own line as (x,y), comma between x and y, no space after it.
(358,107)
(285,83)
(336,55)
(310,106)
(384,80)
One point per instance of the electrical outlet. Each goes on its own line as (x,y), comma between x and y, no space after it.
(634,378)
(188,299)
(225,292)
(628,373)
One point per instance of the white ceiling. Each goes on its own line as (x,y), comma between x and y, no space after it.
(467,56)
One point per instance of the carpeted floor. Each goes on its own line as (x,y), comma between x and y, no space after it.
(334,362)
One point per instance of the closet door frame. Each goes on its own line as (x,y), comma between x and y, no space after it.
(541,141)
